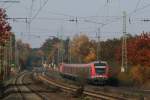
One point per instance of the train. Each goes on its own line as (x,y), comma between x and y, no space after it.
(96,72)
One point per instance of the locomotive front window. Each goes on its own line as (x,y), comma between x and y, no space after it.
(100,64)
(100,70)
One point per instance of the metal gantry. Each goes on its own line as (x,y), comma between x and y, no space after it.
(124,45)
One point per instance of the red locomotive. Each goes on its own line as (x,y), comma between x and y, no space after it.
(96,72)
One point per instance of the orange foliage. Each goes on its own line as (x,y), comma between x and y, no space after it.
(80,48)
(141,75)
(139,50)
(90,57)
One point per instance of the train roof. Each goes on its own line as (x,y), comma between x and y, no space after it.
(85,65)
(76,65)
(105,62)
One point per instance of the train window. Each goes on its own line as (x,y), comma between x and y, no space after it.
(100,70)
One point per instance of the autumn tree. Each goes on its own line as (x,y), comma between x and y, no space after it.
(138,49)
(91,56)
(81,49)
(139,56)
(5,40)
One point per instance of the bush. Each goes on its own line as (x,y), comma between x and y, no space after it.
(125,79)
(140,75)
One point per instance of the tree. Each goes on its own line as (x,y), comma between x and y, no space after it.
(80,48)
(108,50)
(138,49)
(51,49)
(4,42)
(24,53)
(90,57)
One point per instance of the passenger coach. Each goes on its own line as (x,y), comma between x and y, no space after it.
(96,72)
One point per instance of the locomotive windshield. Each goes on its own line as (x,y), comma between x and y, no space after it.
(100,64)
(100,68)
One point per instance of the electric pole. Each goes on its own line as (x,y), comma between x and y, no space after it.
(70,52)
(17,56)
(124,45)
(10,52)
(98,45)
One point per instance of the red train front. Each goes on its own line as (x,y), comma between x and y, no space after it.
(99,72)
(96,72)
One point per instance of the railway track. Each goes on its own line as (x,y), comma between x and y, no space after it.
(34,90)
(98,95)
(17,87)
(23,89)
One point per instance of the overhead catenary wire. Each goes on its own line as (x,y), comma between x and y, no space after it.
(138,9)
(85,20)
(138,3)
(28,23)
(10,2)
(31,8)
(39,11)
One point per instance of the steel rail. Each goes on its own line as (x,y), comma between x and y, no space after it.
(101,95)
(34,91)
(22,76)
(17,87)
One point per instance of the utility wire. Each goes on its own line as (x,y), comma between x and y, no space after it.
(63,14)
(138,9)
(10,2)
(10,5)
(39,11)
(137,4)
(31,8)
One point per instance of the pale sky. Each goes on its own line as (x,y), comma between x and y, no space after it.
(54,18)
